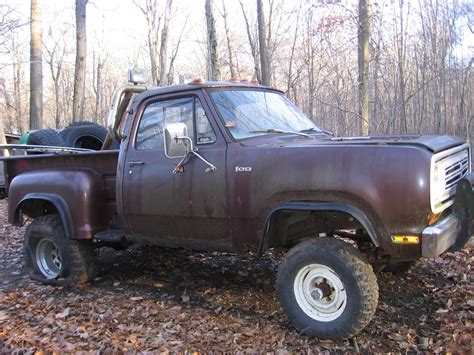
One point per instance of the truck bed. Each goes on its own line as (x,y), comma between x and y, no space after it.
(102,162)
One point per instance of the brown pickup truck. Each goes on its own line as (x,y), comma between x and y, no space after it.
(237,167)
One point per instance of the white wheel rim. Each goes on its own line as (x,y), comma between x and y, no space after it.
(320,292)
(48,259)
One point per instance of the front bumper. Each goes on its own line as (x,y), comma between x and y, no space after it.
(453,232)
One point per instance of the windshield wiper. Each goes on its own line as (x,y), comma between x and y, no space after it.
(279,131)
(312,129)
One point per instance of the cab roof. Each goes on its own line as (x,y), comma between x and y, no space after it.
(157,90)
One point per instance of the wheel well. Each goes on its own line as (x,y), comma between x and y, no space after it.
(36,206)
(289,225)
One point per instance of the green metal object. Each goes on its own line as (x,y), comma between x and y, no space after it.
(24,137)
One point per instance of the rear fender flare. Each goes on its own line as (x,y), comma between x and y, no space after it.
(320,206)
(57,201)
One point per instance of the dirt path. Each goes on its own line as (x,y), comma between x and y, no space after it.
(149,298)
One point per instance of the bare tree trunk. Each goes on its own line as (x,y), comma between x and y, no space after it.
(3,140)
(80,67)
(99,64)
(55,63)
(164,44)
(22,125)
(174,53)
(363,59)
(253,45)
(8,115)
(213,58)
(290,82)
(153,19)
(401,74)
(36,68)
(233,72)
(262,40)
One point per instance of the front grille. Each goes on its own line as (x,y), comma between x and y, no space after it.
(455,166)
(456,171)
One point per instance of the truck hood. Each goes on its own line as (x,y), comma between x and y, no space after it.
(432,143)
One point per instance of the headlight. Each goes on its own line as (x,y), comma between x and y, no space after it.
(438,188)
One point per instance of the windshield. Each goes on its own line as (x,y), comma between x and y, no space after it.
(250,113)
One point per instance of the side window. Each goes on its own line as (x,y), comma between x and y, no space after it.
(186,110)
(204,132)
(156,115)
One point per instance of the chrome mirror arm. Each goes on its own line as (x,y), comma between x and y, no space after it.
(210,167)
(192,151)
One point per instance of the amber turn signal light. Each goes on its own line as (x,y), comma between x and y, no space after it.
(197,81)
(405,239)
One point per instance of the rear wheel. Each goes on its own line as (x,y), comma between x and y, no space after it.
(53,258)
(327,289)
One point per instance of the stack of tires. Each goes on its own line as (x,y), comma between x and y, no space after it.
(84,134)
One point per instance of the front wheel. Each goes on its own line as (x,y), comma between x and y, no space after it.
(327,289)
(53,258)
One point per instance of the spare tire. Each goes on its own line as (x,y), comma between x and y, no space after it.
(48,137)
(84,134)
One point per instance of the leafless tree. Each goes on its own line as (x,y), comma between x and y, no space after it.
(157,44)
(213,56)
(54,57)
(253,42)
(262,41)
(164,44)
(363,59)
(80,67)
(99,59)
(153,19)
(230,51)
(36,68)
(419,80)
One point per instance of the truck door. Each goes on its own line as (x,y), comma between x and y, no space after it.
(189,207)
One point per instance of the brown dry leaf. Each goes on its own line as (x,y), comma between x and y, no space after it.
(63,314)
(396,337)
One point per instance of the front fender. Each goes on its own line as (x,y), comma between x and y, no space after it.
(321,206)
(77,195)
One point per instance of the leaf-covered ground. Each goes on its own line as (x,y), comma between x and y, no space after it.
(147,299)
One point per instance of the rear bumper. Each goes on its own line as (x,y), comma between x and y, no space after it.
(453,232)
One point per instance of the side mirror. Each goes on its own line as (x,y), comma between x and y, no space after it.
(177,142)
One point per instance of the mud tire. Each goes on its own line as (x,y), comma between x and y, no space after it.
(48,137)
(358,279)
(84,134)
(77,256)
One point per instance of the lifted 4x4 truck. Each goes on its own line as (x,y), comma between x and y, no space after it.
(237,167)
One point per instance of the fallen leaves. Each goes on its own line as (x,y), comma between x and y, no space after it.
(63,314)
(155,299)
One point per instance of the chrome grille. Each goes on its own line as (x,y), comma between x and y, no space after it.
(456,171)
(455,166)
(448,167)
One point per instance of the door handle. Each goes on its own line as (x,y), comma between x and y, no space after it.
(135,163)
